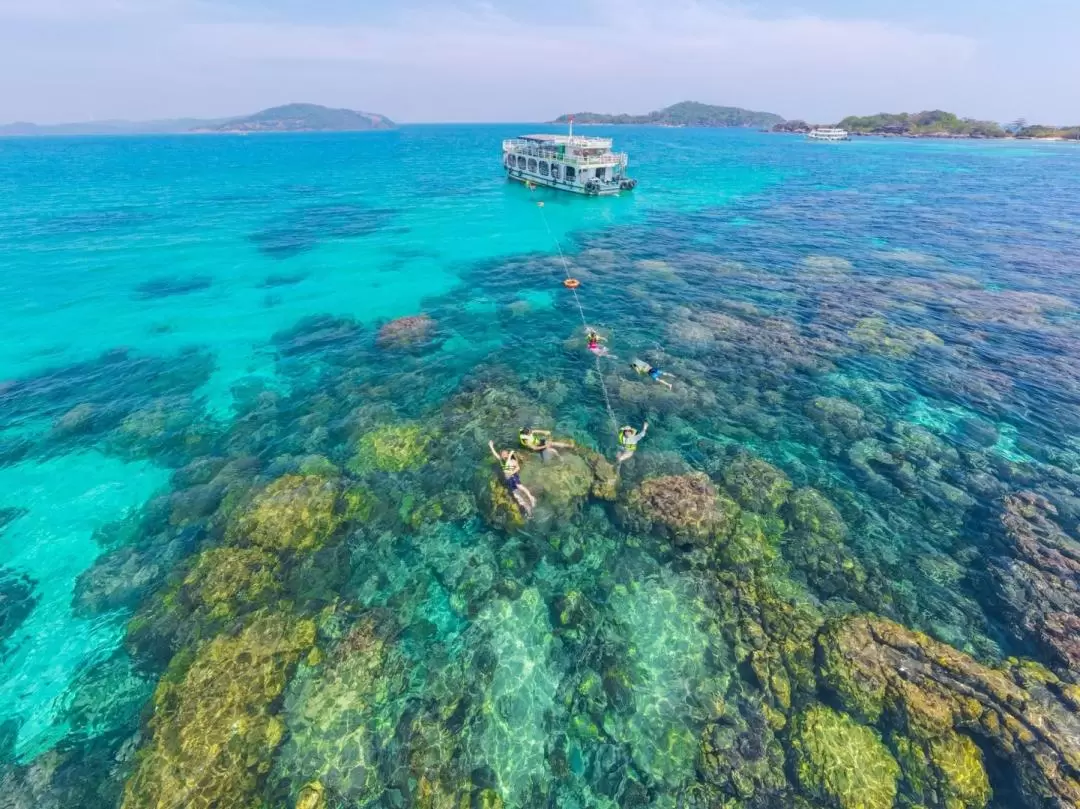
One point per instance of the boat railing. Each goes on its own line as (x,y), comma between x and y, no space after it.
(532,149)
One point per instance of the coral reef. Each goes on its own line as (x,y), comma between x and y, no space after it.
(406,332)
(757,484)
(17,600)
(842,762)
(391,448)
(213,733)
(686,508)
(886,674)
(292,513)
(1040,583)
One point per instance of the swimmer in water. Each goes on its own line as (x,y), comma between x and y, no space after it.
(593,341)
(643,367)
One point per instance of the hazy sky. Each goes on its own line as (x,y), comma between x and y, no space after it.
(454,60)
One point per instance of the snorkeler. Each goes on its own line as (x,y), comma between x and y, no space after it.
(511,469)
(628,440)
(593,340)
(540,441)
(643,367)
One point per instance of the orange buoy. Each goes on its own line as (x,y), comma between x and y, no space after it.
(571,283)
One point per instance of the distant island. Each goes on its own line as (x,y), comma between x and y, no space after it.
(933,124)
(686,113)
(288,118)
(302,118)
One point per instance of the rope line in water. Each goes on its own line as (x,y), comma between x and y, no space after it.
(581,311)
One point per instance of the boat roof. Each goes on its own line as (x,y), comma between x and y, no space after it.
(577,140)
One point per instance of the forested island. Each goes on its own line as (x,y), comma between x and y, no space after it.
(685,113)
(303,118)
(934,124)
(287,118)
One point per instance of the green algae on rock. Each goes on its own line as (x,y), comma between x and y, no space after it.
(214,732)
(756,484)
(391,448)
(842,762)
(293,513)
(888,675)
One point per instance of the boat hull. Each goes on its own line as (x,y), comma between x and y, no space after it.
(524,176)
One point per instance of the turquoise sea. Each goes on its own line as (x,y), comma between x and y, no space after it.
(255,552)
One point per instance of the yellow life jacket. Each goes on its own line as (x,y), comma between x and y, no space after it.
(529,440)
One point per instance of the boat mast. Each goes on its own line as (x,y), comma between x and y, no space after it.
(571,130)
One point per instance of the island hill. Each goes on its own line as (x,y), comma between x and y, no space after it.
(686,113)
(288,118)
(933,124)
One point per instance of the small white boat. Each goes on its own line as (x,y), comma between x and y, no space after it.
(831,134)
(582,165)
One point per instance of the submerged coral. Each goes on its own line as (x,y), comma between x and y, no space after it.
(214,732)
(406,332)
(687,508)
(842,762)
(392,448)
(293,513)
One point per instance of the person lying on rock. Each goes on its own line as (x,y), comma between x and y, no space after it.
(511,469)
(541,441)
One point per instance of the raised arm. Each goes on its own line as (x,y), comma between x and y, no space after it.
(494,452)
(644,428)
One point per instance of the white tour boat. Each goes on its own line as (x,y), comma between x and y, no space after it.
(828,134)
(581,165)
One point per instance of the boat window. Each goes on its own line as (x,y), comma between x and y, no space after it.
(521,162)
(571,174)
(532,165)
(601,173)
(554,171)
(544,168)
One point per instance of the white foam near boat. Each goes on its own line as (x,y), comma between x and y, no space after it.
(578,164)
(828,134)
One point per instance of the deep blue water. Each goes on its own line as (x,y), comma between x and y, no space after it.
(892,323)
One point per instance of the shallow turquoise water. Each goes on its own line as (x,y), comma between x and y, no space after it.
(892,323)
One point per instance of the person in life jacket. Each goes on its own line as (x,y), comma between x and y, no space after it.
(643,367)
(593,341)
(628,441)
(541,441)
(511,470)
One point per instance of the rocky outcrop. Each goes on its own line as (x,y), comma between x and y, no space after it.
(1040,584)
(908,684)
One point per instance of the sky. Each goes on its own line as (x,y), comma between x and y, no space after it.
(495,60)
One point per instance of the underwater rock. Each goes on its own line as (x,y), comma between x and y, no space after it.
(685,508)
(391,448)
(406,332)
(292,513)
(605,476)
(220,585)
(842,762)
(816,546)
(195,503)
(318,334)
(107,697)
(742,757)
(944,773)
(771,628)
(839,418)
(17,600)
(1041,583)
(560,484)
(888,675)
(10,514)
(878,336)
(756,484)
(213,733)
(498,506)
(170,285)
(340,716)
(120,577)
(77,421)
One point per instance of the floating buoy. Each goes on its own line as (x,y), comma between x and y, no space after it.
(571,283)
